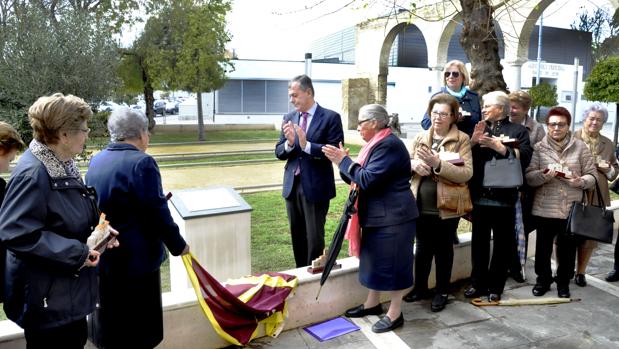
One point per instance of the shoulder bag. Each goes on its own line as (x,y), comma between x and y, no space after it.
(453,197)
(590,221)
(503,173)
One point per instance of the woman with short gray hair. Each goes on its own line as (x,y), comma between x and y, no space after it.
(387,214)
(126,123)
(130,193)
(607,169)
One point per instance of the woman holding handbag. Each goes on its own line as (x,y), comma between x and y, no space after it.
(442,165)
(496,144)
(607,168)
(561,168)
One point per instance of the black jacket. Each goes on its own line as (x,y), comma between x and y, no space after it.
(44,224)
(130,194)
(481,155)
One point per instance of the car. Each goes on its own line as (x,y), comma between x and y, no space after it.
(107,106)
(171,107)
(159,107)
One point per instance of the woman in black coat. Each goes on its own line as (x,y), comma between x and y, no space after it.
(129,190)
(494,208)
(47,216)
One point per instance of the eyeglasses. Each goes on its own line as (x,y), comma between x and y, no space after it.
(363,121)
(441,115)
(486,106)
(556,124)
(455,74)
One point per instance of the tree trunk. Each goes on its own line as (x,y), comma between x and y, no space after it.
(200,119)
(149,98)
(616,124)
(481,45)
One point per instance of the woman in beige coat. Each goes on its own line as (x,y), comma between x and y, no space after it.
(440,156)
(561,167)
(605,162)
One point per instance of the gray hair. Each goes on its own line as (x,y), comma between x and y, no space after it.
(499,98)
(126,123)
(596,107)
(379,113)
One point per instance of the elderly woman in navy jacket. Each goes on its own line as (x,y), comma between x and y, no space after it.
(386,213)
(129,187)
(47,216)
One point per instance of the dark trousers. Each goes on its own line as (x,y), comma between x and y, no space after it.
(617,253)
(434,240)
(547,229)
(499,221)
(307,225)
(70,336)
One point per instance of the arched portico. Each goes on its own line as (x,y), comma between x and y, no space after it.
(375,38)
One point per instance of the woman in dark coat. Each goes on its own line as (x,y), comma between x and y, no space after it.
(494,208)
(455,81)
(47,216)
(386,214)
(129,190)
(10,144)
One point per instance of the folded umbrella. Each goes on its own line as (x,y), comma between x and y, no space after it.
(338,237)
(526,301)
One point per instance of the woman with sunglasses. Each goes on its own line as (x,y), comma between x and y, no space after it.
(455,80)
(561,167)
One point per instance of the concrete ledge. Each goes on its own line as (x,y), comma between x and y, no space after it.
(173,128)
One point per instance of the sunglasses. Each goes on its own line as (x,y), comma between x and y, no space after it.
(455,74)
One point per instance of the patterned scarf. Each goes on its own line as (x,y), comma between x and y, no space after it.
(591,141)
(54,166)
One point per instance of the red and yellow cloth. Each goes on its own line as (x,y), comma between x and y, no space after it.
(238,309)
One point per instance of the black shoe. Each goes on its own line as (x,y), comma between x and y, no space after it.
(563,291)
(613,276)
(580,280)
(360,311)
(438,302)
(517,276)
(540,289)
(385,324)
(415,295)
(456,239)
(473,292)
(494,297)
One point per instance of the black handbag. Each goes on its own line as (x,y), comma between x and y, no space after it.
(590,221)
(503,173)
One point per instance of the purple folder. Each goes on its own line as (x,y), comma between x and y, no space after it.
(331,328)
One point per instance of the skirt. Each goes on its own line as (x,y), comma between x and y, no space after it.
(386,259)
(130,314)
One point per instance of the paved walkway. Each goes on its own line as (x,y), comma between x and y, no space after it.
(592,322)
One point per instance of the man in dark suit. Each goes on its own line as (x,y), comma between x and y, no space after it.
(308,176)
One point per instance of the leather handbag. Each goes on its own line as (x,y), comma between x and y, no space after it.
(592,222)
(502,173)
(453,197)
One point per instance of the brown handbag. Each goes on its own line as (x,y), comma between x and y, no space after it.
(454,197)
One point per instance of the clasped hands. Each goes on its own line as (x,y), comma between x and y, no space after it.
(335,154)
(291,131)
(484,140)
(424,162)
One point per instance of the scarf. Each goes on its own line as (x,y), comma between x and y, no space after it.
(559,146)
(353,230)
(591,142)
(458,94)
(55,167)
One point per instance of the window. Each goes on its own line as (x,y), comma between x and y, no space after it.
(253,96)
